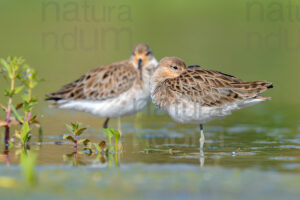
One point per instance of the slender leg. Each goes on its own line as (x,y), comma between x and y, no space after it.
(202,138)
(105,125)
(202,158)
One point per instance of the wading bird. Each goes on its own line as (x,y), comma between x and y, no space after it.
(196,96)
(111,91)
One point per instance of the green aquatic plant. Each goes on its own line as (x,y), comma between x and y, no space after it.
(11,72)
(100,147)
(30,81)
(76,130)
(24,134)
(101,150)
(73,158)
(15,70)
(110,132)
(28,162)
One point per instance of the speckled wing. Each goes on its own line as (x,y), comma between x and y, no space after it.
(99,84)
(212,88)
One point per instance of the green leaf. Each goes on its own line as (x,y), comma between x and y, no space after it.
(116,135)
(97,147)
(17,115)
(85,142)
(3,107)
(25,136)
(70,128)
(10,144)
(80,131)
(30,105)
(7,67)
(18,89)
(108,132)
(68,137)
(8,92)
(110,149)
(76,125)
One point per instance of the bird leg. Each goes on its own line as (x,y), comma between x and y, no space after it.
(105,125)
(202,138)
(202,158)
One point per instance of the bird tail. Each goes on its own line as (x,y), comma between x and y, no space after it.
(252,89)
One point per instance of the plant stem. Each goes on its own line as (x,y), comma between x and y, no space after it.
(7,156)
(8,112)
(116,146)
(12,86)
(6,135)
(75,159)
(109,140)
(28,115)
(75,143)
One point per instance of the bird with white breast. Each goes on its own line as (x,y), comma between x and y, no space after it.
(193,95)
(111,91)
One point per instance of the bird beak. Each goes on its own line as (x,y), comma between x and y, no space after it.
(140,63)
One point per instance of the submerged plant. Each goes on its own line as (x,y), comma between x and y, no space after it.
(100,147)
(28,162)
(73,158)
(110,132)
(76,130)
(102,151)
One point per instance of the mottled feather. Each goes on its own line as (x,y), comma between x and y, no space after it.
(207,88)
(102,83)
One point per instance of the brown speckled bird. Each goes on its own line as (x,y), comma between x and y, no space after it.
(197,96)
(111,91)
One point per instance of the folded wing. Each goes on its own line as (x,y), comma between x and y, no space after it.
(99,84)
(213,88)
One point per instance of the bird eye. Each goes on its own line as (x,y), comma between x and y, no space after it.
(148,53)
(175,67)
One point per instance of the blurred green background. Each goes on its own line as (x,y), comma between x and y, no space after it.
(251,39)
(254,40)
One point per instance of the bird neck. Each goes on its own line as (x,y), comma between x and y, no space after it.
(157,78)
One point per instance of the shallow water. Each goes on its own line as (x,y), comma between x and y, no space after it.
(255,150)
(152,138)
